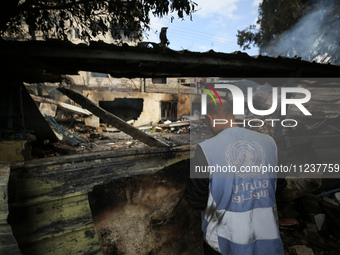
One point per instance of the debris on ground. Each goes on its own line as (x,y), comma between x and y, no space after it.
(309,225)
(77,137)
(309,220)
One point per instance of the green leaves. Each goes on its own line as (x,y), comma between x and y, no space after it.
(309,29)
(275,17)
(90,18)
(248,36)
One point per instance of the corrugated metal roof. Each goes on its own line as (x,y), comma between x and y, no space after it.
(151,60)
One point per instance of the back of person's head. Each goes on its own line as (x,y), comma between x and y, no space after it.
(219,111)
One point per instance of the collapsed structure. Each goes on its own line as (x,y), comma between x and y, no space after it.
(97,202)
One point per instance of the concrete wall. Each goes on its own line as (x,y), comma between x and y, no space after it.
(92,79)
(107,82)
(151,106)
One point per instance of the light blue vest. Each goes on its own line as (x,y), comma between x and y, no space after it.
(241,215)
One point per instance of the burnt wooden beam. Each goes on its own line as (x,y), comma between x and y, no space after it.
(29,59)
(111,119)
(64,106)
(76,173)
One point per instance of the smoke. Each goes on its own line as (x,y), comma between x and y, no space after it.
(316,37)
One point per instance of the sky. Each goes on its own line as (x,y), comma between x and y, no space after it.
(214,26)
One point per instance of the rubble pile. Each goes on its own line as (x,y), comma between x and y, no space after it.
(310,225)
(107,138)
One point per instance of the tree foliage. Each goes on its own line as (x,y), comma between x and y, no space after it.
(275,17)
(309,29)
(89,18)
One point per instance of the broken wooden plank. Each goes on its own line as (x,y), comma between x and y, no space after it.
(62,105)
(145,127)
(168,125)
(112,129)
(175,124)
(73,108)
(111,119)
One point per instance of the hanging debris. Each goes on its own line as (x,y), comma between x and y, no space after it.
(63,134)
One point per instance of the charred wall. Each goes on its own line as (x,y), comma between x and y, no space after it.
(152,104)
(147,214)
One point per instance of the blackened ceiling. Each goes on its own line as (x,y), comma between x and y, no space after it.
(37,61)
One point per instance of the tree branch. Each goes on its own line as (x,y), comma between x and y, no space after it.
(60,6)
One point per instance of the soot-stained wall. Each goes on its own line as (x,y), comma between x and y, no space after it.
(147,214)
(151,104)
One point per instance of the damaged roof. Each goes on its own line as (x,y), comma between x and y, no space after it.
(32,58)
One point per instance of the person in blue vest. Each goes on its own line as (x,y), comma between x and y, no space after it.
(237,199)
